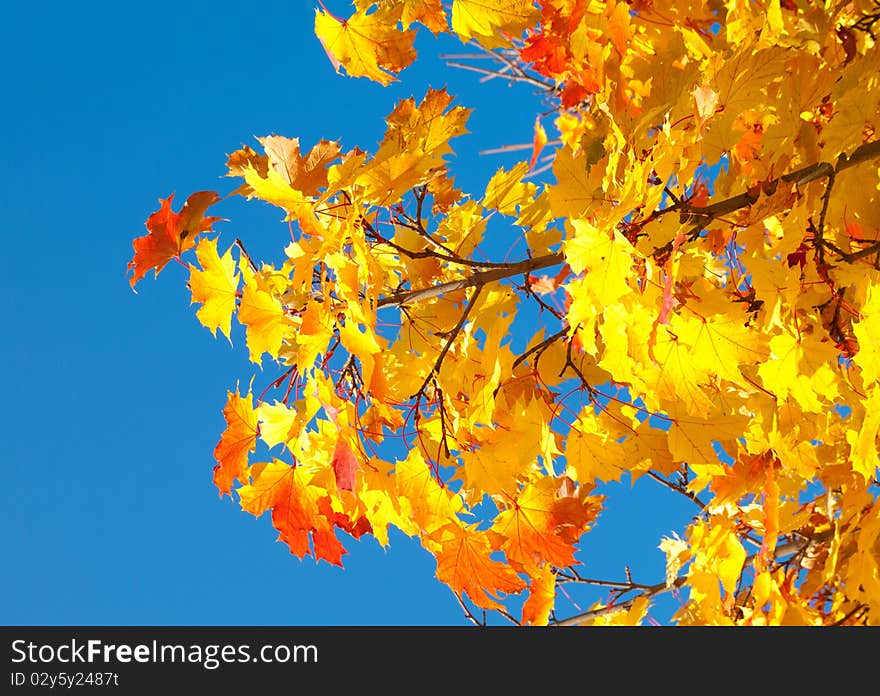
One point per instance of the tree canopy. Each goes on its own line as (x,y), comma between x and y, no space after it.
(693,295)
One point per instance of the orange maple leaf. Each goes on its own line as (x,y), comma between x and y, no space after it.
(464,563)
(239,438)
(544,523)
(542,596)
(170,233)
(296,510)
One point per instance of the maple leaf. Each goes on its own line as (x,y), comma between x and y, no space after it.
(464,563)
(799,366)
(705,101)
(305,174)
(344,464)
(538,142)
(170,233)
(506,190)
(239,438)
(867,331)
(863,442)
(485,18)
(296,510)
(541,525)
(214,286)
(263,315)
(366,45)
(431,506)
(542,595)
(412,148)
(429,13)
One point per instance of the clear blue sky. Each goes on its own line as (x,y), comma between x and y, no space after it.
(113,399)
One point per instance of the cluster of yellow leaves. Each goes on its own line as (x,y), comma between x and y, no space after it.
(749,326)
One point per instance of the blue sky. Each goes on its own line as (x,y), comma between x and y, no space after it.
(114,399)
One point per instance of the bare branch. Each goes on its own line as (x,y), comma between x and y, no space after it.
(690,495)
(793,547)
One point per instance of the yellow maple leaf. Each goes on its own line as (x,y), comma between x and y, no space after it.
(589,452)
(800,367)
(506,190)
(677,555)
(631,615)
(578,180)
(867,331)
(367,45)
(863,442)
(431,506)
(428,127)
(276,423)
(691,438)
(605,259)
(483,19)
(263,316)
(214,286)
(718,556)
(412,150)
(429,13)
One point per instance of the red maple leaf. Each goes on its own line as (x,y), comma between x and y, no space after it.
(170,233)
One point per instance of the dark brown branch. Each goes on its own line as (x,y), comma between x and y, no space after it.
(527,288)
(860,609)
(570,363)
(700,217)
(690,495)
(452,335)
(244,253)
(539,347)
(854,256)
(477,279)
(468,614)
(429,253)
(799,177)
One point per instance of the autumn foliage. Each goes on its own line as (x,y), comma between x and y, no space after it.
(699,259)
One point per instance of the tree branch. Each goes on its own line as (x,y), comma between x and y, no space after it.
(539,347)
(478,278)
(700,217)
(792,547)
(799,177)
(690,495)
(449,341)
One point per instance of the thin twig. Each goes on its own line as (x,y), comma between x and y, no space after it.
(690,495)
(453,334)
(494,73)
(539,347)
(663,587)
(467,612)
